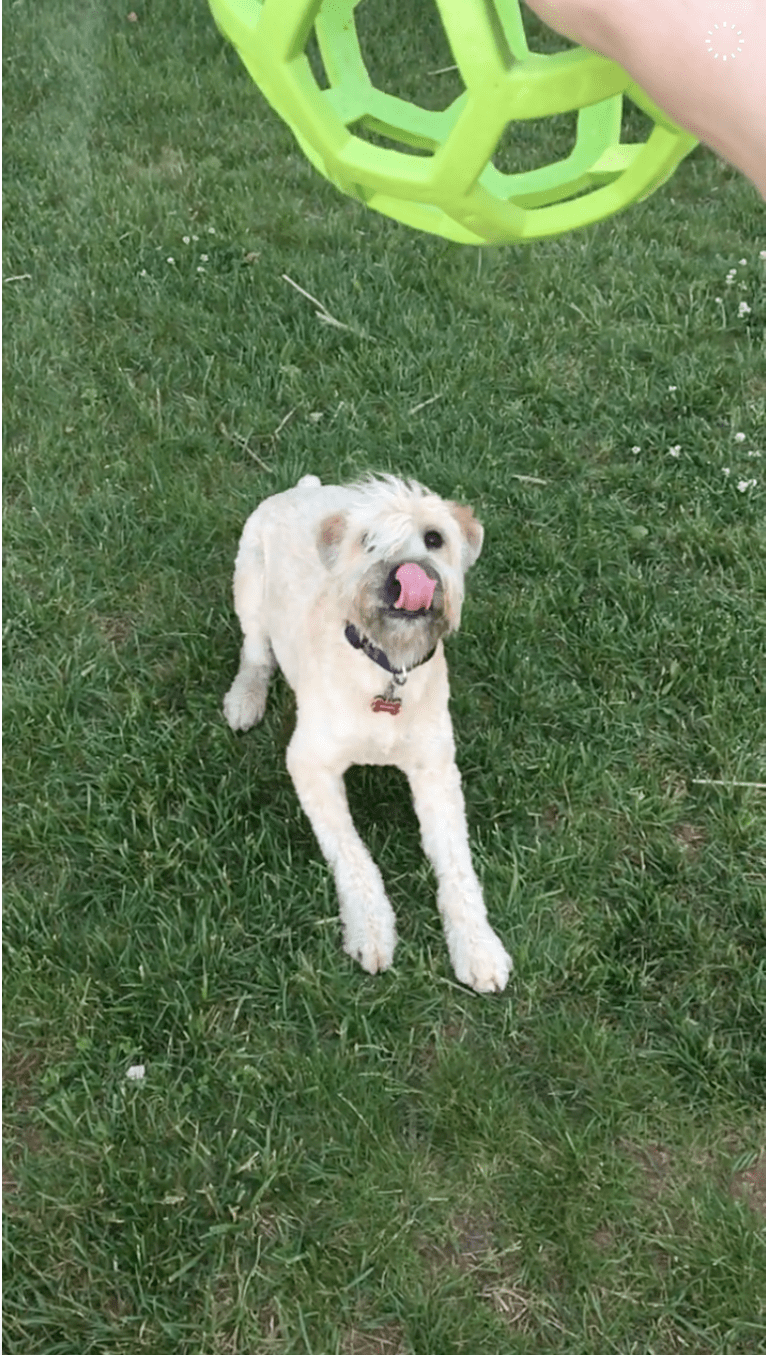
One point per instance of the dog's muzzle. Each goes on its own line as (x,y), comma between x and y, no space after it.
(410,587)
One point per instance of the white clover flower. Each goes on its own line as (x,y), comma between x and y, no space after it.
(672,388)
(676,451)
(727,470)
(204,258)
(743,309)
(171,259)
(743,262)
(739,437)
(187,239)
(635,450)
(744,485)
(136,1072)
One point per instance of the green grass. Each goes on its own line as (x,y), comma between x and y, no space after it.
(318,1162)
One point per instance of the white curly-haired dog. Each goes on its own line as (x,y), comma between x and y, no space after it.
(350,590)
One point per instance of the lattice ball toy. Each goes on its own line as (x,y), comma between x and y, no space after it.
(443,178)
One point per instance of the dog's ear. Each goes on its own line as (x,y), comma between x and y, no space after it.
(331,532)
(471,530)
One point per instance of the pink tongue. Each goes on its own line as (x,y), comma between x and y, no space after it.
(417,588)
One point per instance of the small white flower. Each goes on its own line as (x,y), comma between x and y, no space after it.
(739,437)
(744,485)
(727,470)
(187,239)
(195,237)
(754,453)
(743,262)
(718,300)
(635,450)
(204,258)
(171,259)
(743,309)
(672,388)
(143,273)
(676,451)
(136,1072)
(762,254)
(200,269)
(211,230)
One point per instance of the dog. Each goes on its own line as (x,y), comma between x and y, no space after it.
(351,590)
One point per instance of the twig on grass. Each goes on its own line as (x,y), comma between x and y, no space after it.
(528,479)
(423,404)
(322,312)
(239,441)
(281,425)
(751,785)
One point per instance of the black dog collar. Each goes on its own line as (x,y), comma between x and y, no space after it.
(388,702)
(379,656)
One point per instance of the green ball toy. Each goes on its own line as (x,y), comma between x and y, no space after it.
(454,189)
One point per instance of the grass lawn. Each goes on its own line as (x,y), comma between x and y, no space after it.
(317,1162)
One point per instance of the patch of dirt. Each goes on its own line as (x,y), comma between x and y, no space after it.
(690,839)
(603,1239)
(516,1305)
(655,1164)
(385,1340)
(268,1323)
(475,1241)
(550,818)
(115,629)
(170,165)
(750,1185)
(21,1073)
(475,1251)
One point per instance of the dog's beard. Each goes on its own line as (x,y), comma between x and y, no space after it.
(405,637)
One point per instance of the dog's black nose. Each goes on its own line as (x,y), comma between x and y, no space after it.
(392,589)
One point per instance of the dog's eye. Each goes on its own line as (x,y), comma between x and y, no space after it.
(433,540)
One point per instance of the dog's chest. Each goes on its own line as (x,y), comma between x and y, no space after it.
(346,701)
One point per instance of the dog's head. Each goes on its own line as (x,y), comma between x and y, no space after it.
(398,555)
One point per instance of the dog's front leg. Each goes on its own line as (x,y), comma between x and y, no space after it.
(478,956)
(369,931)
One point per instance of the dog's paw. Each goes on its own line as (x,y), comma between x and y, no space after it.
(245,702)
(371,940)
(480,959)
